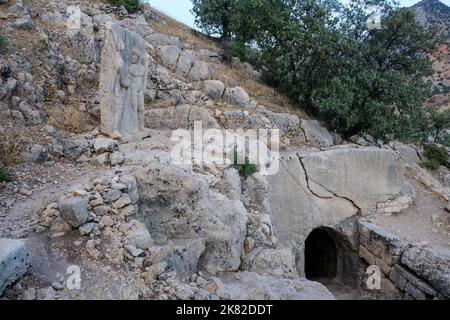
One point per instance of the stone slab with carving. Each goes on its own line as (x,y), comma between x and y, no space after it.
(123,79)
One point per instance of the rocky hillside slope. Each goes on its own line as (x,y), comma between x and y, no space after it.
(83,208)
(436,13)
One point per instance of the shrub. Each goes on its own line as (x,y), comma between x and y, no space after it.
(3,42)
(445,140)
(4,175)
(132,6)
(436,155)
(430,165)
(244,167)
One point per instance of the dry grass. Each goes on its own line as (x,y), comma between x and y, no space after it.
(178,29)
(266,95)
(10,146)
(69,118)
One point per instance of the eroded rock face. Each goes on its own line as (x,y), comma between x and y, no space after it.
(179,205)
(366,176)
(80,32)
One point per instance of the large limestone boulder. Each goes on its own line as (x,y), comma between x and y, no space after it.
(242,119)
(137,25)
(252,286)
(19,16)
(185,62)
(315,134)
(407,153)
(200,70)
(236,96)
(14,261)
(297,209)
(181,256)
(431,264)
(214,89)
(285,122)
(365,176)
(169,55)
(179,204)
(160,39)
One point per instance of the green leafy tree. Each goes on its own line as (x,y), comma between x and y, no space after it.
(295,39)
(214,16)
(378,87)
(326,57)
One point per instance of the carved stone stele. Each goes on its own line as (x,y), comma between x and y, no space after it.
(123,80)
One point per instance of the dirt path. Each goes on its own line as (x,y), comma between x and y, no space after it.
(425,222)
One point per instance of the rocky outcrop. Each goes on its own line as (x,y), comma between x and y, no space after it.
(14,261)
(315,134)
(251,286)
(178,204)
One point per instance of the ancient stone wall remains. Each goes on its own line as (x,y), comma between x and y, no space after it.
(383,249)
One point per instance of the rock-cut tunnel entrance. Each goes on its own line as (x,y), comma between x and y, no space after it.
(320,256)
(331,260)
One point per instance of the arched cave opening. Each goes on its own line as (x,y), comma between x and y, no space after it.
(320,255)
(330,258)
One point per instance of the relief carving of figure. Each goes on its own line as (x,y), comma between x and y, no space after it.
(138,83)
(123,80)
(121,84)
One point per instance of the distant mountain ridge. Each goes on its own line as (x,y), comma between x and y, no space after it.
(433,12)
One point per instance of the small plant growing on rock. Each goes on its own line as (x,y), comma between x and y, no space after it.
(147,99)
(445,140)
(44,46)
(3,42)
(436,155)
(243,166)
(132,6)
(4,175)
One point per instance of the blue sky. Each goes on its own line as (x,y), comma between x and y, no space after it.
(180,9)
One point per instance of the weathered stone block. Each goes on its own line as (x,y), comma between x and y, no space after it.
(14,261)
(415,292)
(431,264)
(374,248)
(74,210)
(385,268)
(397,278)
(367,255)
